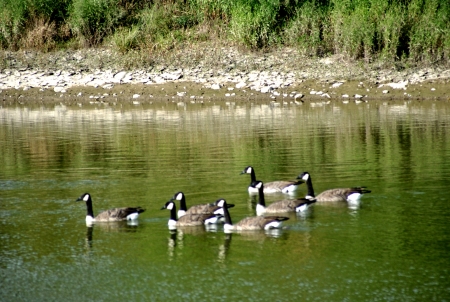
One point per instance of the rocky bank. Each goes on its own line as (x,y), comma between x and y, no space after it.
(204,73)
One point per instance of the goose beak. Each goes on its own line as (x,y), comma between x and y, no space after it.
(79,199)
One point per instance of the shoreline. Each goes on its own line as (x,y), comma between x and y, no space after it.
(206,73)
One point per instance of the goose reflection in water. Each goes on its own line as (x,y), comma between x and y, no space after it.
(176,242)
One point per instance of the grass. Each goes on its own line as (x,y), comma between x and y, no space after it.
(390,30)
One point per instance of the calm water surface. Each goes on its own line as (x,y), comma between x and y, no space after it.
(394,247)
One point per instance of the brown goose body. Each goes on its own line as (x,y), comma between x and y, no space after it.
(116,214)
(209,208)
(340,194)
(251,223)
(334,195)
(257,222)
(281,206)
(188,219)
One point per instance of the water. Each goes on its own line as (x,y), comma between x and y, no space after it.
(394,247)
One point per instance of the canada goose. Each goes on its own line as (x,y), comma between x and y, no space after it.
(188,219)
(251,223)
(116,214)
(283,186)
(281,206)
(209,208)
(351,195)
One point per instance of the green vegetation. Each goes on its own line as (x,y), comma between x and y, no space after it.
(391,30)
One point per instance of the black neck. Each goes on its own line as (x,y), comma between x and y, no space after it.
(173,212)
(253,176)
(261,199)
(183,203)
(227,214)
(310,187)
(90,212)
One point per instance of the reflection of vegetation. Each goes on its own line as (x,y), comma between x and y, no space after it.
(195,142)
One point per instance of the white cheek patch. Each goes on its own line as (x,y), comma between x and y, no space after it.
(170,206)
(248,171)
(179,196)
(259,185)
(305,177)
(86,197)
(221,203)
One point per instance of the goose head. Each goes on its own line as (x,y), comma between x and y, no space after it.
(85,197)
(304,176)
(247,170)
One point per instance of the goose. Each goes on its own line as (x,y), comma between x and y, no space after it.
(283,186)
(116,214)
(209,208)
(282,206)
(350,195)
(188,219)
(251,223)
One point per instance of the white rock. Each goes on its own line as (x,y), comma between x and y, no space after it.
(240,85)
(59,89)
(336,85)
(266,89)
(385,91)
(215,86)
(358,96)
(135,96)
(345,95)
(120,75)
(298,96)
(399,85)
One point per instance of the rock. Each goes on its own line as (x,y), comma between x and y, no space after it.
(240,85)
(266,89)
(336,85)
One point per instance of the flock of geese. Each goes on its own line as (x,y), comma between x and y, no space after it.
(217,212)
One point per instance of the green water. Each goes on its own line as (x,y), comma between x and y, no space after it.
(394,247)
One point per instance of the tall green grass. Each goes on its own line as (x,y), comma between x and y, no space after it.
(368,30)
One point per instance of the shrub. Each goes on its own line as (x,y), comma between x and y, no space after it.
(93,20)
